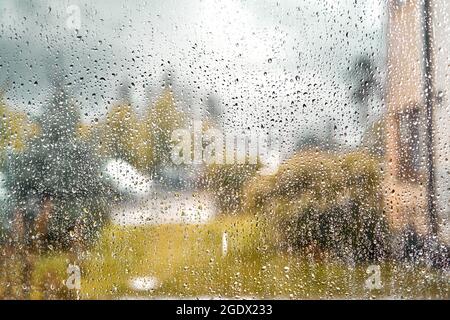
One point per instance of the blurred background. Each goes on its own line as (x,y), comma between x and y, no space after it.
(92,204)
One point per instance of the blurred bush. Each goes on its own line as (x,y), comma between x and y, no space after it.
(225,181)
(324,203)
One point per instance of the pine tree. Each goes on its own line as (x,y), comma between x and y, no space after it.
(58,175)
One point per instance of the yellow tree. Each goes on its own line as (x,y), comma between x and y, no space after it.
(15,129)
(123,137)
(161,120)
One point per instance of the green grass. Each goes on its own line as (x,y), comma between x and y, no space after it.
(187,260)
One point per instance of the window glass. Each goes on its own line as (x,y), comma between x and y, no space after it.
(224,149)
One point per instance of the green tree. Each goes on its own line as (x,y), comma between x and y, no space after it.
(56,179)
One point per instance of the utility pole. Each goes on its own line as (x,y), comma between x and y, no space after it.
(429,102)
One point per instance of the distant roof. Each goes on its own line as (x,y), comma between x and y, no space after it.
(127,178)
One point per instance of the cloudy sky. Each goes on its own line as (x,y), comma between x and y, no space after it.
(269,63)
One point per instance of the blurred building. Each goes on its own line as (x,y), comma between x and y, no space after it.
(406,197)
(406,182)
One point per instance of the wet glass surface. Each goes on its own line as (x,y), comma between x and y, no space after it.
(224,149)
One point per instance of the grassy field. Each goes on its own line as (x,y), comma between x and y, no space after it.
(187,261)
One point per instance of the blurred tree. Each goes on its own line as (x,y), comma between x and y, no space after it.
(15,130)
(146,142)
(366,86)
(124,136)
(55,182)
(226,181)
(213,110)
(159,123)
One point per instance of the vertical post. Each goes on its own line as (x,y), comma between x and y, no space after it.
(429,99)
(224,243)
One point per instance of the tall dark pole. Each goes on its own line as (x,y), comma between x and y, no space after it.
(429,99)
